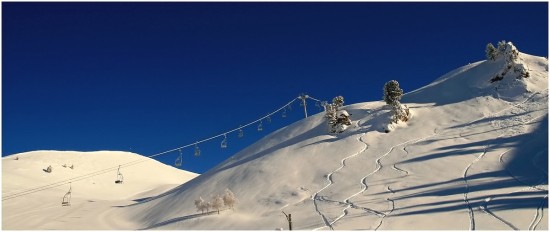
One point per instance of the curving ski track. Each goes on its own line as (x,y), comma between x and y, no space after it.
(363,181)
(391,210)
(538,216)
(487,211)
(465,174)
(330,182)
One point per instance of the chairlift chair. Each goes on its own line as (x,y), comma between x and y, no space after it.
(119,177)
(241,132)
(179,160)
(260,127)
(224,141)
(67,197)
(197,150)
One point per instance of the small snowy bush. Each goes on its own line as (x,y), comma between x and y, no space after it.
(229,199)
(48,169)
(202,205)
(217,203)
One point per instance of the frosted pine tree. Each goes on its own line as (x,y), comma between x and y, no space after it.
(392,96)
(338,102)
(392,92)
(491,52)
(511,55)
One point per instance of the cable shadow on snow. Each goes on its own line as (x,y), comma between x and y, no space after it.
(235,160)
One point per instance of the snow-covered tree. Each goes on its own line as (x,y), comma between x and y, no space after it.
(229,199)
(511,55)
(521,70)
(199,203)
(338,101)
(217,203)
(491,52)
(508,50)
(338,120)
(392,92)
(399,112)
(392,96)
(341,122)
(202,205)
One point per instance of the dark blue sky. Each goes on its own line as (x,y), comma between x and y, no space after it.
(149,77)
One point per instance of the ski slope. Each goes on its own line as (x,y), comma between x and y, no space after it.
(31,198)
(473,156)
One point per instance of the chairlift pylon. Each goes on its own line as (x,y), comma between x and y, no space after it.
(67,197)
(119,177)
(224,141)
(179,159)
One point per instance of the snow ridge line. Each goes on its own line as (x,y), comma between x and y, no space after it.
(487,211)
(538,217)
(316,197)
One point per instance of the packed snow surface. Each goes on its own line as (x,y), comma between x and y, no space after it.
(474,155)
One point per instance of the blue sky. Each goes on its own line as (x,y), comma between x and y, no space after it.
(149,77)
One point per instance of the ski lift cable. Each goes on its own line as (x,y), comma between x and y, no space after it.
(227,132)
(134,162)
(312,98)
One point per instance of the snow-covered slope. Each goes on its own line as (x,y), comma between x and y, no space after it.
(32,198)
(473,156)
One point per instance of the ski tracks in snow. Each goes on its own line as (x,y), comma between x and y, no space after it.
(479,157)
(539,214)
(316,196)
(364,185)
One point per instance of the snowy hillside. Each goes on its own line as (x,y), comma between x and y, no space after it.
(94,192)
(474,155)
